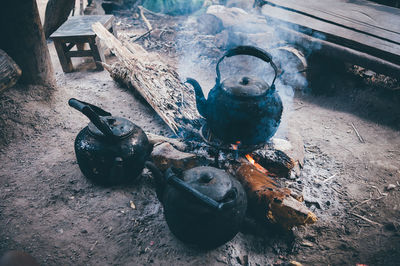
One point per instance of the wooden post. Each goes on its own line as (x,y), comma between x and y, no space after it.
(22,38)
(57,12)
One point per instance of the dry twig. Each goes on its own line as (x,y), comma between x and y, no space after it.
(380,193)
(329,178)
(366,219)
(358,134)
(146,21)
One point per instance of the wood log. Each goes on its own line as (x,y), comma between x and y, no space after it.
(57,12)
(270,202)
(9,71)
(157,82)
(157,139)
(23,39)
(292,64)
(165,155)
(281,156)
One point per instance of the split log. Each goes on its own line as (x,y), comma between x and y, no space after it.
(9,71)
(23,39)
(165,155)
(269,202)
(157,82)
(157,139)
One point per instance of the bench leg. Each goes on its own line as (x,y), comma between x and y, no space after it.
(80,46)
(98,53)
(65,60)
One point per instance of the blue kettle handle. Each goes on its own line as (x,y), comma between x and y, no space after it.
(251,51)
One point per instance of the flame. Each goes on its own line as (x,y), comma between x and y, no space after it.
(258,166)
(235,146)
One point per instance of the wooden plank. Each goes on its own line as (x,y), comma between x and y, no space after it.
(342,36)
(359,16)
(340,52)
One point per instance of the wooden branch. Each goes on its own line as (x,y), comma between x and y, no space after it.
(157,82)
(270,202)
(9,71)
(146,21)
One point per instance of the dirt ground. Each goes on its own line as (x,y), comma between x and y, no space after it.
(49,209)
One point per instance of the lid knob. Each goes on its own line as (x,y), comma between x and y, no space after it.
(245,81)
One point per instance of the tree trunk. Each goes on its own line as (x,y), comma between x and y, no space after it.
(57,12)
(22,38)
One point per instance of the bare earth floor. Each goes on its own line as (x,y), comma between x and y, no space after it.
(48,208)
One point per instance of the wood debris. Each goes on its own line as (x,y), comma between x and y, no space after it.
(270,202)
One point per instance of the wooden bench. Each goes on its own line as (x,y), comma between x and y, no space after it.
(357,31)
(77,31)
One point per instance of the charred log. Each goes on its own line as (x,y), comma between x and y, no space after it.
(270,202)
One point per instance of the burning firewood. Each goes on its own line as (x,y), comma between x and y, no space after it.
(281,156)
(270,202)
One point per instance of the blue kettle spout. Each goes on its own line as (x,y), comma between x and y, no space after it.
(201,101)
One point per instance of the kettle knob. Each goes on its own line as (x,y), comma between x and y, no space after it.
(245,81)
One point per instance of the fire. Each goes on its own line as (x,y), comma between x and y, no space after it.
(257,165)
(235,146)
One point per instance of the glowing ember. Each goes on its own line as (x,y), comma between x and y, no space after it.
(258,166)
(235,146)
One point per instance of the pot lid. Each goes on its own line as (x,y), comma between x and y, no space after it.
(120,127)
(245,86)
(210,181)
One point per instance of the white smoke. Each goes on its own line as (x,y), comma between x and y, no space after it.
(202,40)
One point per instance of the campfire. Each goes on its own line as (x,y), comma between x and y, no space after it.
(230,130)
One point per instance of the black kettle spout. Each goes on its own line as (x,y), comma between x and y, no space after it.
(201,101)
(160,182)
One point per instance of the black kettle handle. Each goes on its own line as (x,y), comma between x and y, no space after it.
(182,186)
(251,51)
(94,114)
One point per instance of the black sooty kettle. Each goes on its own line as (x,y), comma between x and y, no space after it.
(203,206)
(110,150)
(241,109)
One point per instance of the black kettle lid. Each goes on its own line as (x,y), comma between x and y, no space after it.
(119,126)
(212,182)
(245,86)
